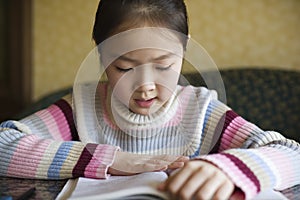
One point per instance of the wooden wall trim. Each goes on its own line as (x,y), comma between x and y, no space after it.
(27,52)
(15,93)
(21,49)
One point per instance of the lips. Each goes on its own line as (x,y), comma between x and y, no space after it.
(144,103)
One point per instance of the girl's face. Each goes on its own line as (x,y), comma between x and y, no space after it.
(144,79)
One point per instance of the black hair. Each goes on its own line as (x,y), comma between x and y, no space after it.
(115,16)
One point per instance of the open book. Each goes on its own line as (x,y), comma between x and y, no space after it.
(140,186)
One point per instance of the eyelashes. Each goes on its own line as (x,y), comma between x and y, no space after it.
(160,68)
(123,69)
(164,68)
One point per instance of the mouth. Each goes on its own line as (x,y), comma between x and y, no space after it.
(143,103)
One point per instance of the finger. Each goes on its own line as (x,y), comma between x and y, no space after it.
(176,165)
(148,167)
(225,190)
(183,159)
(171,174)
(171,158)
(176,181)
(192,185)
(164,159)
(171,164)
(209,187)
(151,160)
(188,169)
(154,159)
(179,162)
(161,170)
(140,166)
(237,194)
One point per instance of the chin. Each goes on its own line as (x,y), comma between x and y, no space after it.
(140,111)
(144,111)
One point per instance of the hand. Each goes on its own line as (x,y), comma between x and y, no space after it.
(129,163)
(199,180)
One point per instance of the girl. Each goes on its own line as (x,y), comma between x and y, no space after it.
(143,111)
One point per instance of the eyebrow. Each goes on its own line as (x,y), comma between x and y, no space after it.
(162,57)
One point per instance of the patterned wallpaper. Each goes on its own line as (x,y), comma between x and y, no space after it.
(61,40)
(234,32)
(248,32)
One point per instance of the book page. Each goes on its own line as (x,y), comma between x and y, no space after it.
(120,186)
(270,194)
(141,186)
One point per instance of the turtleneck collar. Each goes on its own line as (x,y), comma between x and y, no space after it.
(128,121)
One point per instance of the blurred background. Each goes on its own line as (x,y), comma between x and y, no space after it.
(43,42)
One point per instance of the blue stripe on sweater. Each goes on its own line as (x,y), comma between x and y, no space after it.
(9,140)
(59,159)
(8,124)
(266,168)
(206,118)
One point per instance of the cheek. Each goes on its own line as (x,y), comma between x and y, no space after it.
(120,87)
(167,85)
(169,79)
(112,76)
(164,93)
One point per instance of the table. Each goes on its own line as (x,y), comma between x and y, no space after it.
(49,189)
(45,189)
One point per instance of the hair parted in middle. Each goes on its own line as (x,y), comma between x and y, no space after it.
(115,16)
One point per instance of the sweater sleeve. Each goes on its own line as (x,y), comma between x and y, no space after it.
(254,159)
(45,146)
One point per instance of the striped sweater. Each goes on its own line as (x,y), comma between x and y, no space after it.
(49,145)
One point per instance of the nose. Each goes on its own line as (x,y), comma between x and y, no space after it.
(145,79)
(147,87)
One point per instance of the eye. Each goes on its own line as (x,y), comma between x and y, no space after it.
(123,69)
(163,68)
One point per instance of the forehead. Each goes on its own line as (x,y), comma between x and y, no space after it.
(147,55)
(140,41)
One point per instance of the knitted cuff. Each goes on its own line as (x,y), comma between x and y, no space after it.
(237,171)
(95,161)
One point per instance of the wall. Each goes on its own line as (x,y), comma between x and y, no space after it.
(61,40)
(248,32)
(234,32)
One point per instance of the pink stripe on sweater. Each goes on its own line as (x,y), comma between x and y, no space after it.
(285,165)
(238,177)
(51,124)
(61,122)
(101,160)
(27,156)
(182,104)
(245,131)
(231,131)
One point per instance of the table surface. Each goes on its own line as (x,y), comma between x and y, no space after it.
(49,189)
(45,189)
